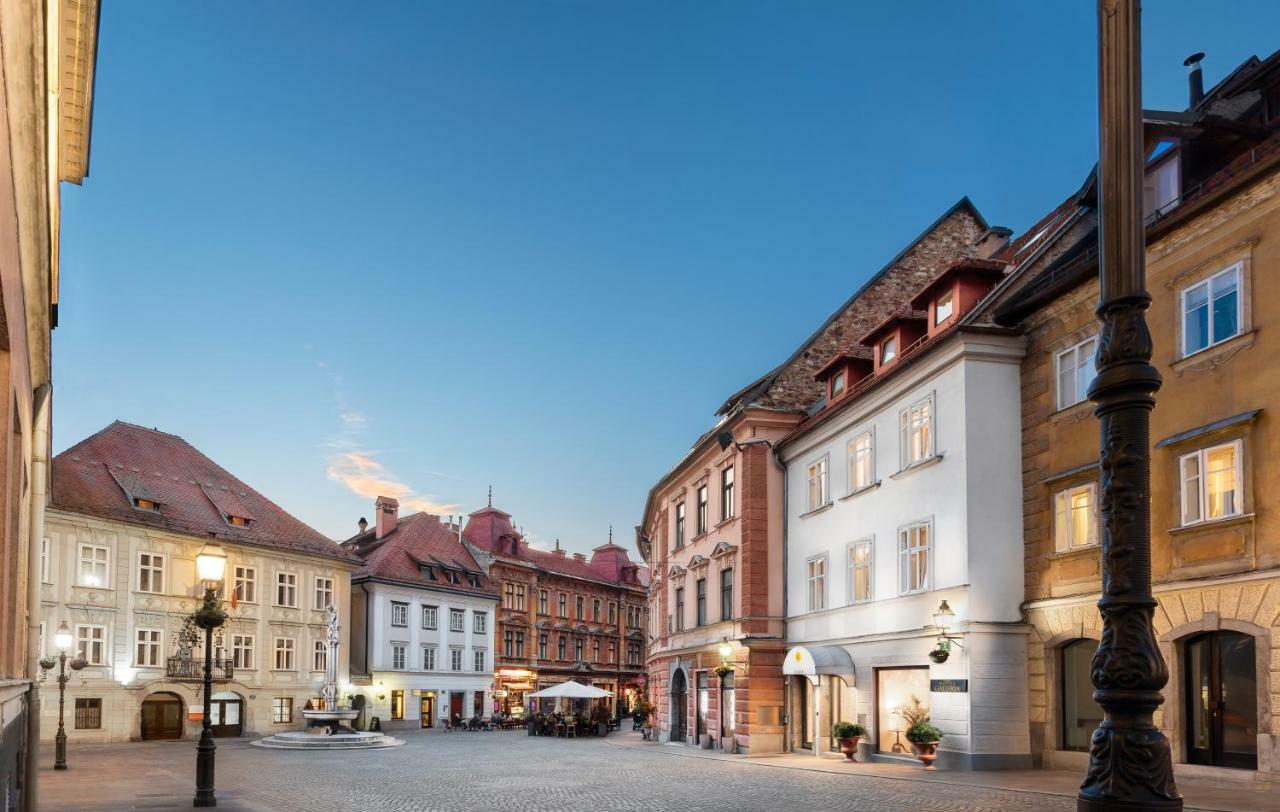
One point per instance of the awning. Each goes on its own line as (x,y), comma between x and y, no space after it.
(813,661)
(572,690)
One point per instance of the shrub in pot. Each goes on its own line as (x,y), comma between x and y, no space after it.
(846,735)
(924,738)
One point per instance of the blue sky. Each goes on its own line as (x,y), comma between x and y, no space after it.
(534,245)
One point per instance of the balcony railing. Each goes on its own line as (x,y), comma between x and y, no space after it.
(192,668)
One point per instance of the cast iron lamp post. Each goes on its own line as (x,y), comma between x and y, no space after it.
(943,617)
(1130,766)
(211,565)
(62,640)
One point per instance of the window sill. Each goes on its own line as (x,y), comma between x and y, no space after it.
(916,466)
(1214,356)
(724,522)
(1078,552)
(1077,412)
(816,510)
(1213,524)
(860,491)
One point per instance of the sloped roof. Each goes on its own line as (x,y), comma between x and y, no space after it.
(419,539)
(103,474)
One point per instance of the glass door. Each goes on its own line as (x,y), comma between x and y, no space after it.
(704,701)
(426,709)
(1222,700)
(804,695)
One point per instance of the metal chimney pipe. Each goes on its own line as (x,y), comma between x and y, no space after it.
(1195,78)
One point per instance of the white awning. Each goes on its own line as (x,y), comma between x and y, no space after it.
(572,690)
(812,661)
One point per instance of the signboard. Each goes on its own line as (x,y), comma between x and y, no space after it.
(195,716)
(500,694)
(949,686)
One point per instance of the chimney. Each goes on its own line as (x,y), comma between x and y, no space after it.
(1195,78)
(387,516)
(579,557)
(363,524)
(559,550)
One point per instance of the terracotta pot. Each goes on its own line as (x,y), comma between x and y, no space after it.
(847,748)
(927,752)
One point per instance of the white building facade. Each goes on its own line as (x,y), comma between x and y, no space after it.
(903,492)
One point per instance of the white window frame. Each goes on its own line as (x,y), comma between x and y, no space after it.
(242,651)
(455,659)
(950,298)
(150,641)
(284,651)
(323,592)
(818,470)
(399,656)
(479,622)
(94,564)
(907,426)
(890,343)
(320,656)
(86,643)
(906,554)
(287,584)
(152,569)
(853,454)
(428,658)
(480,659)
(430,618)
(400,614)
(819,580)
(1238,269)
(245,583)
(853,566)
(457,620)
(1064,518)
(1077,355)
(1201,495)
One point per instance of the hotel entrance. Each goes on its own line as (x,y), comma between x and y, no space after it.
(820,683)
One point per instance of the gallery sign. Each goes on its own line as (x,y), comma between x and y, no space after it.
(949,686)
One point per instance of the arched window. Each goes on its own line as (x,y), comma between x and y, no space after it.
(1080,714)
(1221,699)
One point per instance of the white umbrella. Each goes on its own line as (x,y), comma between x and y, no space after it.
(572,690)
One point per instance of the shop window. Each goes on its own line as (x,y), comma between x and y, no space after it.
(1081,715)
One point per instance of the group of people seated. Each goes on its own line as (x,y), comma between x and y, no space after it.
(501,721)
(559,723)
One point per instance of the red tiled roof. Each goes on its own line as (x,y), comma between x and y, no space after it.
(419,539)
(903,313)
(103,474)
(978,267)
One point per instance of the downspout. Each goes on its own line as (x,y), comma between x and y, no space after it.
(39,498)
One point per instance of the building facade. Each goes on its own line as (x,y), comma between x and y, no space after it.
(131,509)
(49,53)
(1213,204)
(562,616)
(422,615)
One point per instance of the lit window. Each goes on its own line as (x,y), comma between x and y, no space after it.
(88,713)
(861,463)
(817,477)
(397,703)
(145,504)
(888,350)
(282,710)
(150,572)
(1076,369)
(1212,486)
(1075,522)
(147,649)
(859,555)
(837,385)
(943,308)
(914,544)
(817,580)
(917,432)
(93,565)
(1211,311)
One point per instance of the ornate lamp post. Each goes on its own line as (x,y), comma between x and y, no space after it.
(62,640)
(211,565)
(1130,766)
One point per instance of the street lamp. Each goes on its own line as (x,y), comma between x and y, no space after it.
(211,566)
(1130,766)
(62,640)
(943,617)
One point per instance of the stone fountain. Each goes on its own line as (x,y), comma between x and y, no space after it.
(329,728)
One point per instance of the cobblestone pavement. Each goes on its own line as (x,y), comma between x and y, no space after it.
(482,771)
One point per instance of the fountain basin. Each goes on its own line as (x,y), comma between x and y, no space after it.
(305,740)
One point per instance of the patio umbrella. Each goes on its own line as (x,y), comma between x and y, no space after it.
(572,690)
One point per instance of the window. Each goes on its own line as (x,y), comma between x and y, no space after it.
(702,509)
(837,385)
(91,644)
(613,613)
(399,614)
(1211,311)
(324,595)
(478,660)
(816,575)
(508,643)
(542,602)
(679,525)
(888,350)
(429,617)
(150,572)
(633,654)
(398,656)
(44,561)
(513,597)
(147,648)
(1081,715)
(726,494)
(519,644)
(287,589)
(479,622)
(595,651)
(560,649)
(563,611)
(320,656)
(943,307)
(581,614)
(577,650)
(1075,518)
(1212,485)
(397,704)
(242,651)
(1076,369)
(88,713)
(282,710)
(1160,190)
(726,594)
(680,609)
(914,544)
(284,654)
(542,647)
(862,471)
(817,476)
(428,658)
(917,432)
(613,652)
(246,584)
(455,659)
(457,620)
(700,604)
(93,565)
(859,587)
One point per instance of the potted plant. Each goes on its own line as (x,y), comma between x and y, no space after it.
(846,735)
(924,739)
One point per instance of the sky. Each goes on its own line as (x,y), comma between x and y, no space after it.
(422,249)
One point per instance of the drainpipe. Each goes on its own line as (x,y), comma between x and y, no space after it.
(39,498)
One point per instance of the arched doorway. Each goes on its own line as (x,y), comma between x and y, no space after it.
(161,716)
(679,706)
(227,714)
(1222,700)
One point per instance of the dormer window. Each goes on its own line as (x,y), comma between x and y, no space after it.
(428,572)
(1161,189)
(837,385)
(238,521)
(474,580)
(943,308)
(145,504)
(888,350)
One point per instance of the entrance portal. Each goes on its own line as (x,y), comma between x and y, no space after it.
(426,709)
(226,717)
(161,717)
(679,707)
(1222,700)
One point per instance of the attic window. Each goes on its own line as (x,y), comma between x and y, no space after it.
(943,308)
(238,521)
(145,504)
(888,350)
(837,384)
(429,572)
(474,580)
(453,576)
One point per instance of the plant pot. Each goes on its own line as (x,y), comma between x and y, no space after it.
(865,751)
(939,655)
(847,748)
(927,752)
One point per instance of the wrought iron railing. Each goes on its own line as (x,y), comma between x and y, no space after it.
(192,668)
(1241,164)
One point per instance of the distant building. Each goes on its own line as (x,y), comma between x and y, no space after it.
(131,509)
(422,622)
(561,616)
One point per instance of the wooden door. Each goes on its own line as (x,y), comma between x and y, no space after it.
(679,707)
(226,719)
(161,717)
(455,707)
